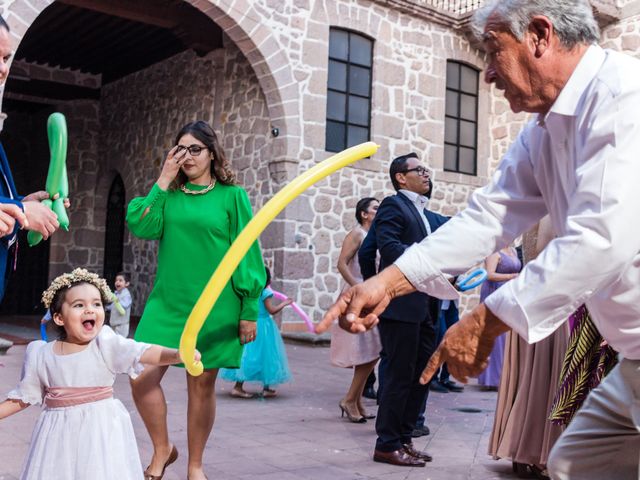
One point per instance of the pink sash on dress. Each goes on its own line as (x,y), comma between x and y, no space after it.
(56,397)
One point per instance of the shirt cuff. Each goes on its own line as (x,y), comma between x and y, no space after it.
(249,309)
(156,196)
(424,276)
(504,304)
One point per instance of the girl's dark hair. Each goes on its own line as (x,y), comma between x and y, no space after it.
(220,166)
(362,206)
(59,298)
(268,275)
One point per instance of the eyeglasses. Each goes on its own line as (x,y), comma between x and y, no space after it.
(194,150)
(423,172)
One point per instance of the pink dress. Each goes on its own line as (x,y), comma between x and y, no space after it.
(348,349)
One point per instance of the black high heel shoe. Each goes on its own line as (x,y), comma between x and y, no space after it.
(352,418)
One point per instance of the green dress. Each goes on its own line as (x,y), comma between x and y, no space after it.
(195,231)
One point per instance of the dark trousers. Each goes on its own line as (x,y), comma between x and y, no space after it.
(407,348)
(448,318)
(371,380)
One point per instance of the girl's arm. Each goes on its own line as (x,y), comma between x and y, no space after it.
(11,406)
(157,355)
(350,247)
(273,309)
(491,264)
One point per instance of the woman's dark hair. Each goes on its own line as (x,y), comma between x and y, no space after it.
(268,275)
(220,166)
(59,298)
(362,206)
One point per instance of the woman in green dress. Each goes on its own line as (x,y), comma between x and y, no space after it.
(196,212)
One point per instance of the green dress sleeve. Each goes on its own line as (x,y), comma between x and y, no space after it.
(149,226)
(249,278)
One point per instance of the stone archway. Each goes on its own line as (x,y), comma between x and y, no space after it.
(255,41)
(261,56)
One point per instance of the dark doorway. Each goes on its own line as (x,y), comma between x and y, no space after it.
(24,138)
(114,234)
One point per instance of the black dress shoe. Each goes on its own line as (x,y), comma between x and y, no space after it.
(436,386)
(452,386)
(398,457)
(369,392)
(420,431)
(409,448)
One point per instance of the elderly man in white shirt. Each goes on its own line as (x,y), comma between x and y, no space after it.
(579,161)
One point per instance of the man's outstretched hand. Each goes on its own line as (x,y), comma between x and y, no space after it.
(466,345)
(358,308)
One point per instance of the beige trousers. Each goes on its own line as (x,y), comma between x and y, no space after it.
(603,439)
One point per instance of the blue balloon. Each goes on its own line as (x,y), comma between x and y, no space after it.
(43,332)
(472,280)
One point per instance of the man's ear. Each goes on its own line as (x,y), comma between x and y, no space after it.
(57,319)
(398,176)
(541,31)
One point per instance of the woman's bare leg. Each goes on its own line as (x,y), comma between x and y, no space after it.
(352,398)
(152,406)
(364,371)
(201,414)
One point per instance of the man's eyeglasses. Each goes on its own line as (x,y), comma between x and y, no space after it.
(194,150)
(423,172)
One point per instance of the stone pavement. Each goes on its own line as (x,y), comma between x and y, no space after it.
(297,435)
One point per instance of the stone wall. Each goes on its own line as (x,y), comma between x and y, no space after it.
(410,55)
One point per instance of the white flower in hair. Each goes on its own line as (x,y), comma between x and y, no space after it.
(79,275)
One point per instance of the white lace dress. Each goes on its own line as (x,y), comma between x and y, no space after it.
(88,441)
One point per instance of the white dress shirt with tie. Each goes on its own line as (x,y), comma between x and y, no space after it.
(581,164)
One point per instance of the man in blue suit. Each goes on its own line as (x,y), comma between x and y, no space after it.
(407,326)
(28,211)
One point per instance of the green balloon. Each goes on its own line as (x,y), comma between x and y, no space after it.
(33,238)
(57,132)
(61,212)
(57,180)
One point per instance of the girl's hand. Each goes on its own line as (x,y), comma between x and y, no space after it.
(246,331)
(171,167)
(287,302)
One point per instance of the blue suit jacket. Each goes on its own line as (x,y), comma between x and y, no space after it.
(8,194)
(398,225)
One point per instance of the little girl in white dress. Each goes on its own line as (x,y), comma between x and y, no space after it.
(83,432)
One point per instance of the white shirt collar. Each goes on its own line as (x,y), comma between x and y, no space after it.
(571,95)
(419,200)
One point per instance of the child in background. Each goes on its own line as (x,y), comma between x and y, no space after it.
(120,321)
(82,431)
(264,360)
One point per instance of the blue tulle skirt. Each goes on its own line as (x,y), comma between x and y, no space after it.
(263,360)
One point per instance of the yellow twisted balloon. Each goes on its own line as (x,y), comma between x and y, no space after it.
(249,235)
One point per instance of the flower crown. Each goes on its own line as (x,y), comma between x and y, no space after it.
(79,275)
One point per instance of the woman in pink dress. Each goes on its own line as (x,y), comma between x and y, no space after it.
(360,352)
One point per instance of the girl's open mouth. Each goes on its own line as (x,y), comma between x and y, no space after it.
(89,324)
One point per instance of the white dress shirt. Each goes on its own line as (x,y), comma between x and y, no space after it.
(581,164)
(420,202)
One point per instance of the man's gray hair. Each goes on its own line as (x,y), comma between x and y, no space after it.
(572,20)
